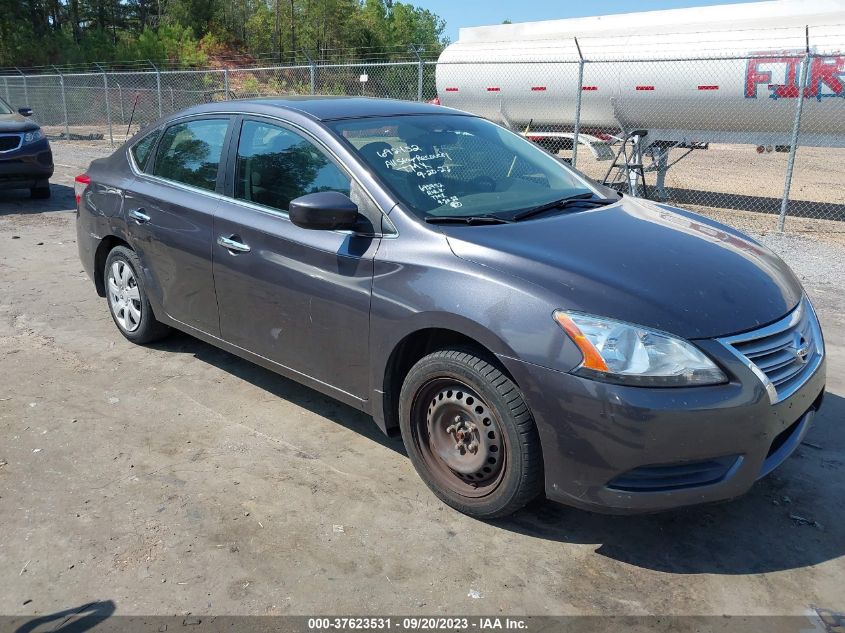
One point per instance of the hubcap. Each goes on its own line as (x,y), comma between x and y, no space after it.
(459,437)
(124,296)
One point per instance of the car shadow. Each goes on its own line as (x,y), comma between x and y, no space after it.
(720,200)
(281,387)
(74,620)
(19,202)
(789,520)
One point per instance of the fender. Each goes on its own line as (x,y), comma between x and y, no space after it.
(496,310)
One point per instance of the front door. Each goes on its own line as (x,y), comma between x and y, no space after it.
(169,215)
(298,297)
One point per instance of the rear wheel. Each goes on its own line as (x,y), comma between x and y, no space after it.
(130,309)
(470,434)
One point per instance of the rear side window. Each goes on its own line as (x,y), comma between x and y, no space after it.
(141,150)
(276,165)
(190,152)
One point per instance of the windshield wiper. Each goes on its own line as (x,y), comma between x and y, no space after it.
(466,219)
(562,203)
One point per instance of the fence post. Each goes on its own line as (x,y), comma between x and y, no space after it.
(578,104)
(226,83)
(108,104)
(793,147)
(64,102)
(313,70)
(120,98)
(6,85)
(158,88)
(25,87)
(416,50)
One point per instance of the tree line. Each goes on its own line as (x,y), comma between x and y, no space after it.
(188,33)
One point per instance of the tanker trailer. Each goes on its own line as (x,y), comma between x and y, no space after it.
(657,81)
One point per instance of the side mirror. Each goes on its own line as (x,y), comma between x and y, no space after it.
(325,210)
(25,111)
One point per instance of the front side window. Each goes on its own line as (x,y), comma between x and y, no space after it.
(276,165)
(453,165)
(190,152)
(5,108)
(141,150)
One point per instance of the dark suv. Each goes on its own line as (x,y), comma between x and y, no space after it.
(525,329)
(26,161)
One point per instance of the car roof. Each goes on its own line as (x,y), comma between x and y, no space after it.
(325,108)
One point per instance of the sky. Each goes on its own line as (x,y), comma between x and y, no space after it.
(458,13)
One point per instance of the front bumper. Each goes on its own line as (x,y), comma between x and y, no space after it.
(28,166)
(619,449)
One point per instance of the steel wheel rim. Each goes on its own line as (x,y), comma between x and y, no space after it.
(459,437)
(124,295)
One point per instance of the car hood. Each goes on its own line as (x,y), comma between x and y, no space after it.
(641,262)
(16,123)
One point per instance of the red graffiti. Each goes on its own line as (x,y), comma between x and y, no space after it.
(828,71)
(825,78)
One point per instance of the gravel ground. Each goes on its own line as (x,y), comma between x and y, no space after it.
(177,479)
(813,260)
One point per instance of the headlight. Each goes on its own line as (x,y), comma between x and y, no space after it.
(33,135)
(624,353)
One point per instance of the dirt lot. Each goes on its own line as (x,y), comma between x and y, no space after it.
(178,478)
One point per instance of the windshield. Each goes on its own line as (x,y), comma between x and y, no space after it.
(4,108)
(453,165)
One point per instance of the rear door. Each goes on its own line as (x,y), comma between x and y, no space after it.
(298,297)
(169,214)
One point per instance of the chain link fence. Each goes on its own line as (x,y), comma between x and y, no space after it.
(728,137)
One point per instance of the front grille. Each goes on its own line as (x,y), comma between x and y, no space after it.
(664,477)
(9,142)
(784,354)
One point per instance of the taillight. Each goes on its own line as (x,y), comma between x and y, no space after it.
(79,185)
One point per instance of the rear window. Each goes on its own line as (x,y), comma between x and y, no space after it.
(190,152)
(142,149)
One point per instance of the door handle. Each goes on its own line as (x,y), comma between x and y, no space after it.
(232,244)
(139,216)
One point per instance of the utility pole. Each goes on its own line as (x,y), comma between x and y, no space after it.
(578,104)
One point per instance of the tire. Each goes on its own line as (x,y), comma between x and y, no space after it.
(41,191)
(128,304)
(452,399)
(552,145)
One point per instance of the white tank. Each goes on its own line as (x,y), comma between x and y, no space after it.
(741,87)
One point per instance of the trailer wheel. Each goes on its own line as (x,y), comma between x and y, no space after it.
(551,145)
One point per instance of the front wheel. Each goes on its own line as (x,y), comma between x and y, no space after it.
(470,434)
(41,191)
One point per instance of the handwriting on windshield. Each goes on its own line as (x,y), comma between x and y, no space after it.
(394,151)
(434,190)
(408,158)
(422,165)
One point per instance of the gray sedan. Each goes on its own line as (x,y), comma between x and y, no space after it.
(526,330)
